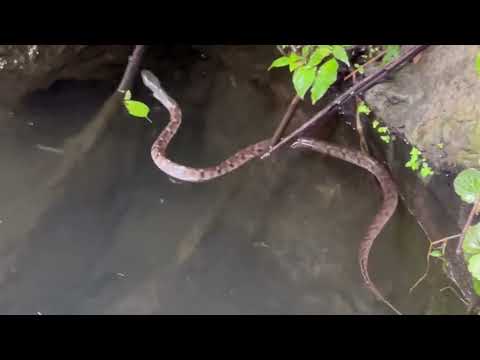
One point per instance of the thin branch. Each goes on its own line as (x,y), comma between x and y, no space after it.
(475,208)
(446,239)
(361,133)
(132,68)
(455,293)
(441,241)
(361,86)
(286,119)
(363,66)
(427,269)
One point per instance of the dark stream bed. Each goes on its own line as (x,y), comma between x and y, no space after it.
(278,236)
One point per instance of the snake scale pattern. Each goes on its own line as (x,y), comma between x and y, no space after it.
(188,174)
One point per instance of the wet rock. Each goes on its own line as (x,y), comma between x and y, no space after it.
(25,68)
(434,106)
(435,103)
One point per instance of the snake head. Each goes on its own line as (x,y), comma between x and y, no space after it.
(150,80)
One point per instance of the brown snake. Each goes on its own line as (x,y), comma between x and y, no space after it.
(177,171)
(389,204)
(181,172)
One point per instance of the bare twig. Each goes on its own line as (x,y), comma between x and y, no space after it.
(361,134)
(361,86)
(286,119)
(132,68)
(79,145)
(455,293)
(441,241)
(445,239)
(475,208)
(425,274)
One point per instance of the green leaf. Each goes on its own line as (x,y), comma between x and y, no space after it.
(383,130)
(326,77)
(414,162)
(128,95)
(294,61)
(328,71)
(471,243)
(318,56)
(375,123)
(476,286)
(280,62)
(393,51)
(359,68)
(303,79)
(385,138)
(341,54)
(137,108)
(363,108)
(415,152)
(474,266)
(426,170)
(294,66)
(306,50)
(477,63)
(467,185)
(436,253)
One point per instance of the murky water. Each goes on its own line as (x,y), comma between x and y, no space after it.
(279,236)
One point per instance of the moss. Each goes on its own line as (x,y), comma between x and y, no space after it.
(474,139)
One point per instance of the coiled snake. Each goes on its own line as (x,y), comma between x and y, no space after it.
(188,174)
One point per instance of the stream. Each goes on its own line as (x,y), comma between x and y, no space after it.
(278,236)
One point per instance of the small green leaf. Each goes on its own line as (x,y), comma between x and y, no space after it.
(363,109)
(415,152)
(436,253)
(128,95)
(393,51)
(326,77)
(385,138)
(303,79)
(341,54)
(471,243)
(293,57)
(467,185)
(360,69)
(280,62)
(425,171)
(318,56)
(137,108)
(477,63)
(414,162)
(375,123)
(320,88)
(474,266)
(328,71)
(295,66)
(383,130)
(476,286)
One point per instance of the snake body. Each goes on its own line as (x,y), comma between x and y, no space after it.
(387,209)
(188,174)
(184,173)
